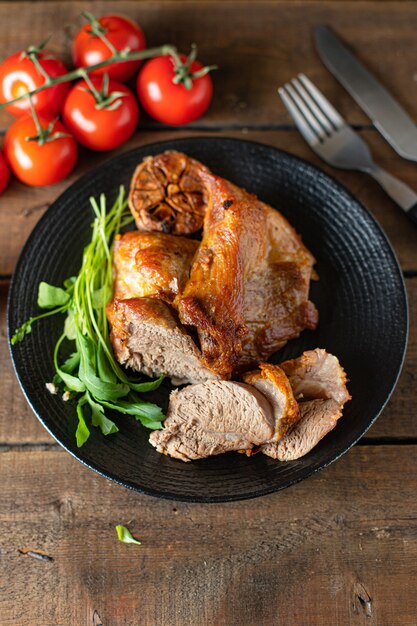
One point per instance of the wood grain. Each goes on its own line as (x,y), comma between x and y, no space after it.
(249,41)
(19,426)
(21,206)
(334,550)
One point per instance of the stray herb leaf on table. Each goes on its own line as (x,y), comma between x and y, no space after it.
(125,536)
(91,374)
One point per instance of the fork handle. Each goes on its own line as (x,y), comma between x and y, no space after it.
(412,213)
(401,193)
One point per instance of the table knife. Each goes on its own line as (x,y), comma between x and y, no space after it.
(388,117)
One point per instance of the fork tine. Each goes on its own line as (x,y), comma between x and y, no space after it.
(298,118)
(310,102)
(305,111)
(322,102)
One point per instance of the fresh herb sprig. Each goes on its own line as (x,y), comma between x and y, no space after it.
(91,374)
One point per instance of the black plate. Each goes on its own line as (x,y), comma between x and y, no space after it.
(360,296)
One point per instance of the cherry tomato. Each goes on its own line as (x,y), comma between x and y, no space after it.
(35,164)
(95,126)
(18,75)
(122,32)
(170,103)
(4,173)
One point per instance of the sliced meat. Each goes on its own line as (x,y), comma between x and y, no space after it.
(319,384)
(271,381)
(151,265)
(248,288)
(168,195)
(147,337)
(212,418)
(317,374)
(318,417)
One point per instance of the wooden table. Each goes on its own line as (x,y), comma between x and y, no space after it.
(337,549)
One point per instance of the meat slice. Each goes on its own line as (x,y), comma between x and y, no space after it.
(212,418)
(248,288)
(151,265)
(319,384)
(147,337)
(318,417)
(317,374)
(271,381)
(168,195)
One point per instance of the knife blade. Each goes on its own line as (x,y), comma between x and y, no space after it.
(388,117)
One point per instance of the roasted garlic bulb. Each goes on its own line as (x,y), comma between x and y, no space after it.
(167,194)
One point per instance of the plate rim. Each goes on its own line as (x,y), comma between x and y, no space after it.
(73,450)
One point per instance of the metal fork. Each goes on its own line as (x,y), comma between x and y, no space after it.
(328,134)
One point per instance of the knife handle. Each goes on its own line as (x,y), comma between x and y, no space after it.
(412,213)
(398,191)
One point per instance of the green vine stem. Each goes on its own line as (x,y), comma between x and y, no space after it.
(98,30)
(104,99)
(80,72)
(44,134)
(183,75)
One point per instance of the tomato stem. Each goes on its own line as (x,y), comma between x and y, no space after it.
(39,128)
(104,99)
(80,72)
(95,92)
(98,30)
(44,134)
(32,53)
(182,73)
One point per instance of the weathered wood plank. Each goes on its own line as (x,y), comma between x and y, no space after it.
(257,45)
(21,206)
(18,425)
(339,548)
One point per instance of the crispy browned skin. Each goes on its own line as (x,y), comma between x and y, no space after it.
(167,194)
(273,383)
(248,288)
(151,265)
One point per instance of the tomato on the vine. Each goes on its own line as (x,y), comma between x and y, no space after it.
(19,74)
(4,173)
(89,46)
(174,91)
(101,114)
(40,155)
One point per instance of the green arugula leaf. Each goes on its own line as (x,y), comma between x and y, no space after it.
(101,296)
(125,536)
(50,297)
(105,370)
(152,425)
(150,411)
(68,367)
(72,382)
(82,432)
(98,418)
(71,363)
(70,327)
(22,331)
(150,386)
(150,415)
(99,389)
(69,283)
